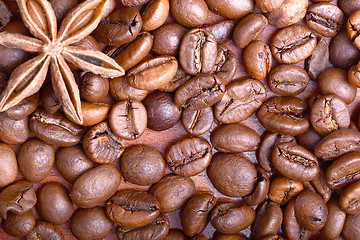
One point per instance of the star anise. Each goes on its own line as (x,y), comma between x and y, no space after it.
(54,48)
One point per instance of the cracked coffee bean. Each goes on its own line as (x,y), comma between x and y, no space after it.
(45,231)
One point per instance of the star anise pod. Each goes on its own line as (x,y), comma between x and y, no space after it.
(54,48)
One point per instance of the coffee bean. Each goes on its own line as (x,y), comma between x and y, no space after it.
(220,236)
(319,186)
(120,89)
(222,31)
(14,131)
(24,108)
(266,6)
(232,9)
(197,122)
(94,87)
(132,3)
(352,28)
(154,14)
(309,139)
(175,234)
(290,12)
(353,75)
(167,39)
(349,199)
(349,7)
(317,62)
(225,64)
(335,220)
(268,220)
(9,165)
(283,189)
(94,113)
(45,231)
(261,189)
(19,225)
(351,229)
(49,100)
(180,78)
(189,13)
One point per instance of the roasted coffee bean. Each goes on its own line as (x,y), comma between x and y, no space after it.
(293,44)
(173,192)
(266,6)
(45,231)
(284,115)
(61,8)
(132,3)
(309,139)
(335,220)
(295,162)
(248,29)
(351,228)
(154,14)
(290,12)
(325,18)
(267,145)
(272,237)
(349,199)
(329,113)
(338,143)
(230,218)
(19,225)
(49,100)
(261,189)
(14,131)
(222,31)
(127,119)
(180,78)
(288,80)
(231,9)
(200,92)
(175,234)
(94,87)
(101,145)
(220,236)
(95,186)
(24,108)
(349,7)
(319,186)
(194,217)
(18,198)
(94,113)
(268,220)
(234,138)
(5,14)
(335,81)
(120,27)
(131,208)
(283,189)
(162,113)
(54,204)
(35,159)
(9,165)
(55,128)
(231,174)
(225,64)
(189,13)
(197,122)
(354,76)
(189,156)
(155,230)
(153,73)
(317,62)
(120,89)
(167,39)
(199,237)
(142,165)
(198,51)
(352,28)
(90,223)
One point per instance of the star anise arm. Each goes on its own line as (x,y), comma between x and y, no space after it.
(24,81)
(66,89)
(14,40)
(93,61)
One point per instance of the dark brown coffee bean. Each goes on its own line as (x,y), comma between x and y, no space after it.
(173,192)
(198,51)
(197,122)
(18,198)
(90,223)
(319,186)
(272,237)
(290,12)
(288,80)
(101,145)
(49,100)
(24,108)
(131,208)
(230,218)
(231,174)
(120,27)
(54,204)
(19,225)
(295,162)
(225,64)
(266,6)
(9,165)
(35,159)
(222,31)
(175,234)
(329,113)
(283,189)
(352,28)
(162,113)
(349,7)
(231,9)
(189,13)
(350,198)
(5,14)
(199,237)
(155,230)
(309,139)
(200,92)
(335,220)
(284,115)
(351,228)
(95,186)
(180,78)
(120,89)
(61,8)
(248,29)
(94,87)
(318,60)
(261,189)
(154,14)
(142,165)
(45,231)
(268,220)
(267,145)
(153,73)
(14,131)
(167,39)
(194,217)
(55,128)
(338,143)
(293,44)
(132,3)
(325,18)
(234,138)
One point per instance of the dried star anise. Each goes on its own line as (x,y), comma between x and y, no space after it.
(54,48)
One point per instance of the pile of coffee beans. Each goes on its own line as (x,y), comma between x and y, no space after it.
(235,120)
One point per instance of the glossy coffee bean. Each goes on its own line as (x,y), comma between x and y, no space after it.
(189,156)
(231,9)
(290,12)
(14,131)
(319,186)
(94,113)
(266,6)
(348,7)
(232,175)
(167,39)
(317,62)
(353,75)
(283,189)
(194,217)
(154,14)
(131,208)
(309,139)
(132,3)
(162,113)
(189,13)
(19,225)
(9,165)
(173,192)
(351,229)
(142,165)
(222,31)
(24,108)
(349,199)
(175,234)
(94,87)
(180,78)
(293,44)
(95,186)
(268,220)
(90,223)
(45,231)
(335,220)
(352,28)
(225,64)
(261,189)
(120,89)
(197,122)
